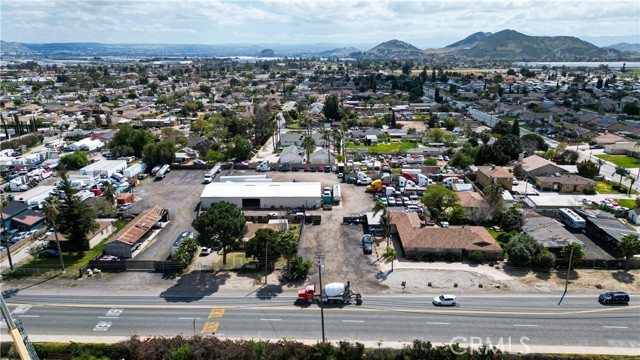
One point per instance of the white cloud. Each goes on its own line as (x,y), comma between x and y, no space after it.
(421,22)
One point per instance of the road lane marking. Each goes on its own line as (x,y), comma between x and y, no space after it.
(189,318)
(353,321)
(271,319)
(525,325)
(216,313)
(108,317)
(210,327)
(103,326)
(436,323)
(21,310)
(28,316)
(114,312)
(421,311)
(615,327)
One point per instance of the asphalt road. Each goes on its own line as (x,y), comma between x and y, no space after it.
(536,320)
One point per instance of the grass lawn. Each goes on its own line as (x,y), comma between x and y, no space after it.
(621,160)
(234,258)
(388,147)
(509,118)
(604,187)
(628,203)
(72,262)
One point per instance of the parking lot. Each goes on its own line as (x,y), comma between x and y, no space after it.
(179,192)
(344,259)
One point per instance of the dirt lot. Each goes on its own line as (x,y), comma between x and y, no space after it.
(340,244)
(179,192)
(582,280)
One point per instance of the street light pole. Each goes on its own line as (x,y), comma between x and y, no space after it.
(320,267)
(266,261)
(566,284)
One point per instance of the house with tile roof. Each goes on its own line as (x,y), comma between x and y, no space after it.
(488,175)
(440,242)
(535,165)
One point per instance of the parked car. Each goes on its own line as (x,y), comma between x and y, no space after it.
(327,169)
(391,200)
(320,168)
(109,258)
(367,244)
(204,251)
(199,162)
(614,297)
(48,253)
(307,168)
(125,207)
(445,300)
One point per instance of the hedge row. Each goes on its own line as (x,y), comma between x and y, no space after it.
(196,348)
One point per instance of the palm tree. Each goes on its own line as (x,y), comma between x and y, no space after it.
(109,191)
(51,208)
(632,180)
(379,206)
(622,172)
(385,222)
(308,144)
(629,246)
(389,256)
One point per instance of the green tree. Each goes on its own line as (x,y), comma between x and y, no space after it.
(512,219)
(629,246)
(222,224)
(523,250)
(263,246)
(51,209)
(545,260)
(75,160)
(183,255)
(163,152)
(631,108)
(587,169)
(109,191)
(622,171)
(631,180)
(288,248)
(450,124)
(502,127)
(515,128)
(331,109)
(493,195)
(509,145)
(576,248)
(308,144)
(436,134)
(437,198)
(540,143)
(76,219)
(390,255)
(240,149)
(136,139)
(461,159)
(430,161)
(201,126)
(485,136)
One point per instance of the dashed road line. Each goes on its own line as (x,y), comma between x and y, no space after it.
(271,319)
(615,327)
(437,323)
(525,325)
(353,321)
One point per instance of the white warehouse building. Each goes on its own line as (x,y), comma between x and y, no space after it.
(263,195)
(104,167)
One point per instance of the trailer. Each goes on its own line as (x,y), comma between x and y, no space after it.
(333,293)
(135,169)
(162,172)
(337,196)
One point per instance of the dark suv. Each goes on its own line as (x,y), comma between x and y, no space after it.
(615,297)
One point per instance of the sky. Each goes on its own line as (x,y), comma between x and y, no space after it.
(423,23)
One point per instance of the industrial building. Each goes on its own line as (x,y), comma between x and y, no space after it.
(104,167)
(122,243)
(264,195)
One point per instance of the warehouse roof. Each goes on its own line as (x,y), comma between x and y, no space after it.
(140,225)
(105,164)
(262,190)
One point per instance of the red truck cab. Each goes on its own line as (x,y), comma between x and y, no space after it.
(307,294)
(409,177)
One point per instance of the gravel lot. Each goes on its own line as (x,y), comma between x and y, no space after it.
(179,192)
(340,244)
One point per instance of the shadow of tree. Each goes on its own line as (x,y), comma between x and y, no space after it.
(623,277)
(516,271)
(573,275)
(194,286)
(543,275)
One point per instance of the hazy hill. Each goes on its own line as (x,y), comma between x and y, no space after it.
(12,47)
(512,45)
(339,52)
(625,47)
(394,49)
(470,40)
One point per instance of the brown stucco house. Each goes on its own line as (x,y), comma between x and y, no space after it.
(459,241)
(488,175)
(565,183)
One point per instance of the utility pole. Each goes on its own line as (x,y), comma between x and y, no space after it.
(266,261)
(320,268)
(4,233)
(566,284)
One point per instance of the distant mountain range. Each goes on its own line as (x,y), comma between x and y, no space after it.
(504,45)
(625,47)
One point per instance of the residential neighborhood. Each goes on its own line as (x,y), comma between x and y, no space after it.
(202,176)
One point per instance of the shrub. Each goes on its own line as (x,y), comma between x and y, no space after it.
(451,258)
(476,257)
(546,260)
